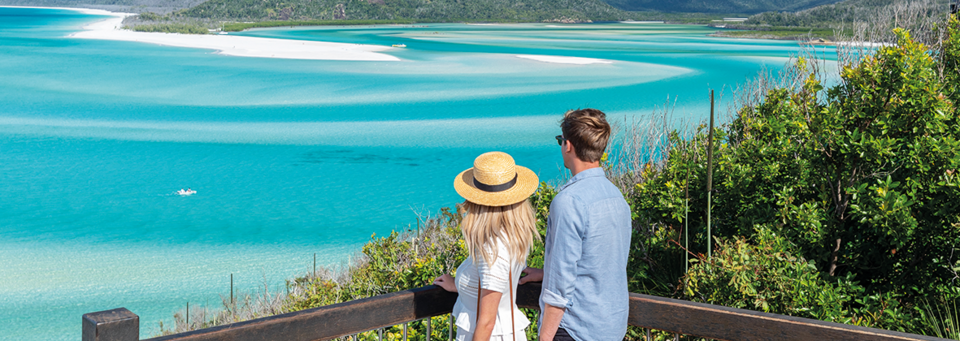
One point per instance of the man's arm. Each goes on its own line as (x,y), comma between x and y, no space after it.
(562,252)
(551,322)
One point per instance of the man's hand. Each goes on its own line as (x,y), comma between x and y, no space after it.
(446,282)
(533,275)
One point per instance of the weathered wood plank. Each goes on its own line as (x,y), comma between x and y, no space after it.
(684,317)
(332,321)
(724,323)
(111,325)
(528,295)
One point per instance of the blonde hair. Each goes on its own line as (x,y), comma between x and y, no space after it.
(515,225)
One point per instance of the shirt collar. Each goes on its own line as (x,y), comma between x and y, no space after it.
(589,173)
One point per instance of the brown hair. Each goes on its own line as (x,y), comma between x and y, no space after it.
(588,131)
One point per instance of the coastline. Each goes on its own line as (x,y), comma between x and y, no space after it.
(239,46)
(564,60)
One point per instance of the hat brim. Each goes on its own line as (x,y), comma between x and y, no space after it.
(527,183)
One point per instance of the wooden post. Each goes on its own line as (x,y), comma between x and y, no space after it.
(111,325)
(710,180)
(450,331)
(232,302)
(686,216)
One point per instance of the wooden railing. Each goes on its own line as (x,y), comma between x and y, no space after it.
(349,318)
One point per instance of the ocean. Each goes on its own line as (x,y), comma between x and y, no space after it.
(289,158)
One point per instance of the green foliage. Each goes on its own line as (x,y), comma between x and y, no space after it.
(766,274)
(888,147)
(236,27)
(785,33)
(951,60)
(172,28)
(541,200)
(830,15)
(392,263)
(859,178)
(721,6)
(150,16)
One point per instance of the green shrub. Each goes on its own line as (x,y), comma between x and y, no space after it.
(150,16)
(172,28)
(767,274)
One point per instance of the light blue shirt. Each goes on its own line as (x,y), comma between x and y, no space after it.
(585,257)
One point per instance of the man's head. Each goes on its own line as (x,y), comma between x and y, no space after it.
(588,132)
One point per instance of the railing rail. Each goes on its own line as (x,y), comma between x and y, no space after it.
(333,321)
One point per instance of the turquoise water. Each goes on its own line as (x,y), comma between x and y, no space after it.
(288,158)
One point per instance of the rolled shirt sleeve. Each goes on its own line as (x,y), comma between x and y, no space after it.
(585,257)
(562,251)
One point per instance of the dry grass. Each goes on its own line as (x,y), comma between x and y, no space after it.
(348,281)
(874,28)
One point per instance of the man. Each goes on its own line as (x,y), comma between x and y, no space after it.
(584,277)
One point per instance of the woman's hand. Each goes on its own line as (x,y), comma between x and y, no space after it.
(446,282)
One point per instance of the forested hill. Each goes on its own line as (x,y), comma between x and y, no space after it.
(136,6)
(718,6)
(420,10)
(835,14)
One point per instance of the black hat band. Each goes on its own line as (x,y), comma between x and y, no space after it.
(495,188)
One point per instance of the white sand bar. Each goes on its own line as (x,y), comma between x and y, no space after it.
(564,60)
(110,29)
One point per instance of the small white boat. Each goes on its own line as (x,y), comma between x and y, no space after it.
(399,45)
(186,192)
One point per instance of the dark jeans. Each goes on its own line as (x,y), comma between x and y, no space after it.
(562,335)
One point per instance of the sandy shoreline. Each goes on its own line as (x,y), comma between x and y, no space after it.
(81,10)
(564,60)
(231,45)
(110,29)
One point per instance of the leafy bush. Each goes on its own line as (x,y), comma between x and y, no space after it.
(150,16)
(172,28)
(766,274)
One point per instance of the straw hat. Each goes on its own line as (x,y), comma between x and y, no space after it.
(496,180)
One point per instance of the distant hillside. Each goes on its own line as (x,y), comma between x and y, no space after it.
(420,10)
(717,6)
(158,6)
(830,16)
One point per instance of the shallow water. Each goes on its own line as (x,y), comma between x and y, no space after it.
(288,158)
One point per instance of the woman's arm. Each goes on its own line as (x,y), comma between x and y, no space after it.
(446,282)
(486,314)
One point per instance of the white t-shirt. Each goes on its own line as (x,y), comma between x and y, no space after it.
(495,278)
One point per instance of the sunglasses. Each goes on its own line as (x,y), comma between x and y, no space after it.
(560,140)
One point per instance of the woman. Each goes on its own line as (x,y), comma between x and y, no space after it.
(498,229)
